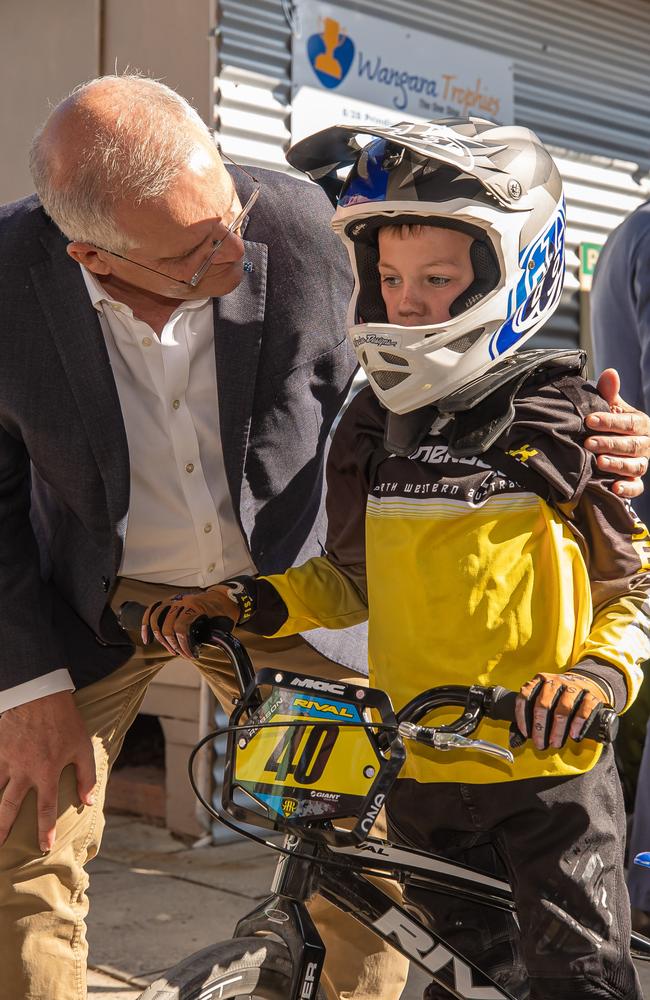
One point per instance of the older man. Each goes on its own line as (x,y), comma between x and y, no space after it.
(173,351)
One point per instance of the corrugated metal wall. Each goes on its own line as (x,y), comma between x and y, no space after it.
(582,82)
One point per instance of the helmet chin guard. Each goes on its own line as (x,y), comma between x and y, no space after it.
(496,183)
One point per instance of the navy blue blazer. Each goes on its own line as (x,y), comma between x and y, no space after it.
(283,369)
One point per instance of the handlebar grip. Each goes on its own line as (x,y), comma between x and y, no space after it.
(602,728)
(501,704)
(130,615)
(220,624)
(130,618)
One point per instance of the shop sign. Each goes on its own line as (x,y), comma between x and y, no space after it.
(348,66)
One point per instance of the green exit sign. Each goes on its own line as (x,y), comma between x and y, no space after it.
(589,254)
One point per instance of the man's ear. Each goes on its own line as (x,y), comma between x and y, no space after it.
(91,257)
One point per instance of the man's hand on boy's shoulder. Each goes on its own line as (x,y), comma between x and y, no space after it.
(551,708)
(622,438)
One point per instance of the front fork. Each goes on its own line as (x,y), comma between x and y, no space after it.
(284,915)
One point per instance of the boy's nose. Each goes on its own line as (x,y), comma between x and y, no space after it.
(410,302)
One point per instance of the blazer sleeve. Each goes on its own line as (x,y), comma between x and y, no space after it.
(26,615)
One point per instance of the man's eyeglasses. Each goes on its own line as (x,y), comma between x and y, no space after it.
(216,245)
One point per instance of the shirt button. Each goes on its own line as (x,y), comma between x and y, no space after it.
(146,341)
(207,528)
(211,568)
(189,467)
(176,403)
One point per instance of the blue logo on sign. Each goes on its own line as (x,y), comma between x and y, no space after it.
(330,54)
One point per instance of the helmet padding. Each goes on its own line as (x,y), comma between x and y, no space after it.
(370,304)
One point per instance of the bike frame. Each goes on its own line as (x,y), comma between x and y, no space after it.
(340,875)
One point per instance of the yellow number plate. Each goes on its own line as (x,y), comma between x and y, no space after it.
(321,767)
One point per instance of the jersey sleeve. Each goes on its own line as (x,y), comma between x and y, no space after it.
(330,591)
(616,549)
(547,439)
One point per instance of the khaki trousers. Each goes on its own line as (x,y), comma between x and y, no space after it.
(43,902)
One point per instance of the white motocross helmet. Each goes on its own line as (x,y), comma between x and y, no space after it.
(496,183)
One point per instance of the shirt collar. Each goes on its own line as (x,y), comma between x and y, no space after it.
(99,297)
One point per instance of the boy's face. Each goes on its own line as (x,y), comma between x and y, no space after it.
(422,271)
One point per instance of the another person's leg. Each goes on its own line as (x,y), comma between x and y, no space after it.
(358,965)
(43,902)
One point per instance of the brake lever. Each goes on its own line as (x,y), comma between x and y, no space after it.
(440,740)
(452,741)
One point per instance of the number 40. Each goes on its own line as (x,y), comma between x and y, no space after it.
(303,751)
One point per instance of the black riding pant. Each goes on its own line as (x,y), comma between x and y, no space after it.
(559,841)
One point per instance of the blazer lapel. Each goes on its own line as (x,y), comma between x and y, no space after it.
(75,327)
(238,324)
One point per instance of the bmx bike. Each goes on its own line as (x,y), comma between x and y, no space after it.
(303,752)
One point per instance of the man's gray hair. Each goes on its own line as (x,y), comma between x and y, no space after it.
(136,157)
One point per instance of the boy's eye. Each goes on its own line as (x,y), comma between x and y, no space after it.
(390,279)
(438,280)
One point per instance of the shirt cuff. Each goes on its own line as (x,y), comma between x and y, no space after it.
(40,687)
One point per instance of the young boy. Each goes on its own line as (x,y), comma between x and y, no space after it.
(472,529)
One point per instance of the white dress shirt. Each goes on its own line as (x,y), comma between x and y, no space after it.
(182,528)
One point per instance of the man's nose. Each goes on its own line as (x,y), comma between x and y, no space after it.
(231,250)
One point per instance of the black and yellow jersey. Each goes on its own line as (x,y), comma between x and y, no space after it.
(466,576)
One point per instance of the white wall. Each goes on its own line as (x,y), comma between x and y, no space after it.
(47,48)
(50,46)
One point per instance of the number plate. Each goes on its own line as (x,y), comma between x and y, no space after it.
(321,766)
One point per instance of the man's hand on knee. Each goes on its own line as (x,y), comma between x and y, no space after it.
(37,740)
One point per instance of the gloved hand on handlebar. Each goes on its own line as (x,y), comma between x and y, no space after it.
(169,622)
(550,708)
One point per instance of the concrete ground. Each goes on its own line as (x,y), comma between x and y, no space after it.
(155,900)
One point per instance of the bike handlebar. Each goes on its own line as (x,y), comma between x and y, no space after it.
(493,703)
(201,631)
(479,702)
